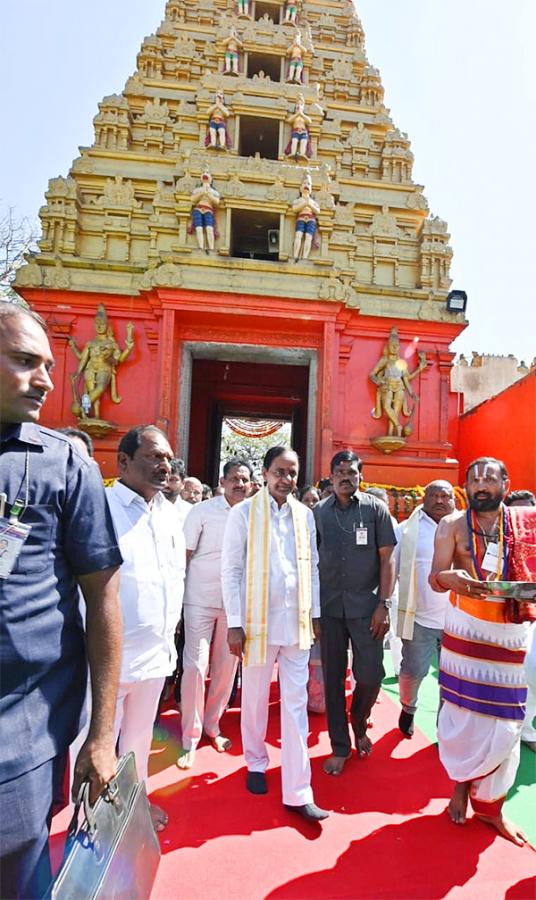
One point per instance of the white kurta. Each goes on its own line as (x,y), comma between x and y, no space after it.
(151,581)
(282,646)
(205,625)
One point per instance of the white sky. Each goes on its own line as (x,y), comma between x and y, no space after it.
(459,76)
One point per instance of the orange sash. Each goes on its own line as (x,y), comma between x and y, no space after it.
(491,610)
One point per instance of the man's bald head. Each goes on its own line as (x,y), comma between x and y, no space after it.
(438,499)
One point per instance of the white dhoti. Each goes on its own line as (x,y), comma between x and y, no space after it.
(484,692)
(293,665)
(202,626)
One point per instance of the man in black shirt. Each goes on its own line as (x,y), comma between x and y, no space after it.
(357,575)
(53,498)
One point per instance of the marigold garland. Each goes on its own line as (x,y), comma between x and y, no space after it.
(407,497)
(261,428)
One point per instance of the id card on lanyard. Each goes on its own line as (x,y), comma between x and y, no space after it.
(13,532)
(491,558)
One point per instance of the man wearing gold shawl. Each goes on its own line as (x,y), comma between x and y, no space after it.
(271,597)
(482,679)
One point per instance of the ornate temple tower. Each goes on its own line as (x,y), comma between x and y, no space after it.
(248,205)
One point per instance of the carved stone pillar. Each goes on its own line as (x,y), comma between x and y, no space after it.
(167,368)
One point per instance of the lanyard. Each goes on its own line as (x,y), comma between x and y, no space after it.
(20,506)
(502,561)
(354,525)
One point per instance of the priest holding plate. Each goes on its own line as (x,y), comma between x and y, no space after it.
(479,553)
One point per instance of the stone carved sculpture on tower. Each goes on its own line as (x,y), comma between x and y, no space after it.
(205,201)
(292,9)
(295,53)
(300,123)
(306,210)
(218,114)
(232,45)
(97,368)
(243,8)
(392,377)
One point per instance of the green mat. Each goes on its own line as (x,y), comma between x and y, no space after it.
(521,802)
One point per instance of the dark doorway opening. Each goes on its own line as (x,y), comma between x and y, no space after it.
(267,63)
(254,234)
(245,390)
(270,9)
(259,135)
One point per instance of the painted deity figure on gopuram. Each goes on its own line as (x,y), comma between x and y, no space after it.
(392,378)
(300,142)
(306,210)
(232,45)
(295,66)
(217,134)
(98,362)
(205,201)
(292,9)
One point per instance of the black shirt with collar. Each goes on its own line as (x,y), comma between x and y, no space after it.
(350,572)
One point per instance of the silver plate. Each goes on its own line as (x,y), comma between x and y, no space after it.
(524,591)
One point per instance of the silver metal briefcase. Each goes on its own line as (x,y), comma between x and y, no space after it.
(115,853)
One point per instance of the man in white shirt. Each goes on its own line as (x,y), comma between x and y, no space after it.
(421,610)
(151,586)
(173,488)
(271,597)
(192,490)
(205,622)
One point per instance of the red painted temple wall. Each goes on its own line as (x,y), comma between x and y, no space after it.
(504,427)
(347,346)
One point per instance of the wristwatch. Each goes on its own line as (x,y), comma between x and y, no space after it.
(387,603)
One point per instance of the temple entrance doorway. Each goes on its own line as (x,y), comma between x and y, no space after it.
(248,386)
(250,437)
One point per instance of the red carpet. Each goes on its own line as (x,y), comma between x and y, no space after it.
(388,835)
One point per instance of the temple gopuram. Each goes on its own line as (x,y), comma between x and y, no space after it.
(245,238)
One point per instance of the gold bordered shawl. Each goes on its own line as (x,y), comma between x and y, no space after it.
(258,576)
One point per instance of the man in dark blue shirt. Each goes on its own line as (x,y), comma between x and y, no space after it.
(46,484)
(357,575)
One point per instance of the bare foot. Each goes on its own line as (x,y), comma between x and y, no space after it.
(159,818)
(508,830)
(530,744)
(186,759)
(220,743)
(457,808)
(334,765)
(364,746)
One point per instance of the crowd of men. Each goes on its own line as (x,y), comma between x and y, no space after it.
(261,573)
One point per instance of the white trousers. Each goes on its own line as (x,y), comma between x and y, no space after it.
(528,732)
(135,712)
(203,626)
(293,665)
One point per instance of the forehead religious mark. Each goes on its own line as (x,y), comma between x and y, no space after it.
(482,470)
